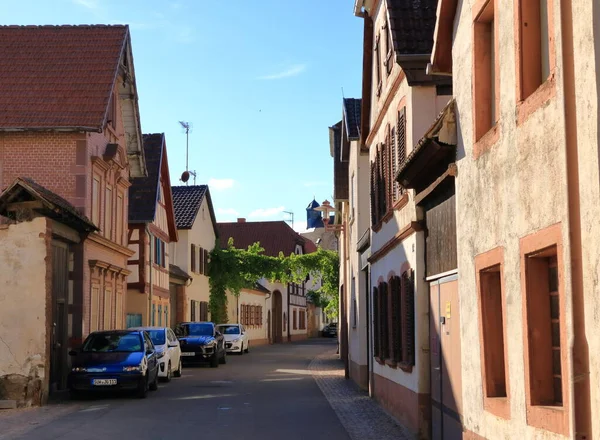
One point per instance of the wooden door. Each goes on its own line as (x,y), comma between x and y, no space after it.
(446,384)
(59,336)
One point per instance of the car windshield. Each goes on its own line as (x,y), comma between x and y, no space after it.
(229,329)
(194,329)
(113,342)
(157,336)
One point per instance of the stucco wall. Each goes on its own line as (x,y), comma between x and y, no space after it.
(515,188)
(24,287)
(256,334)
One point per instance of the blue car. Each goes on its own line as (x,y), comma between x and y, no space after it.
(115,360)
(201,342)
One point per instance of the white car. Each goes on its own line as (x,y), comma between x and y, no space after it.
(236,338)
(168,349)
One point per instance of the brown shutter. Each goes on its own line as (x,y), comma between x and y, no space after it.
(396,327)
(261,315)
(401,145)
(385,339)
(382,205)
(393,164)
(206,254)
(373,194)
(376,318)
(409,317)
(201,261)
(193,252)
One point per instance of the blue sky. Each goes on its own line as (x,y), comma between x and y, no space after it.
(260,82)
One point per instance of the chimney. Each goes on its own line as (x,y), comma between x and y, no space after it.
(241,220)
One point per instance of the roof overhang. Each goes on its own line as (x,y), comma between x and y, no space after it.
(433,154)
(441,55)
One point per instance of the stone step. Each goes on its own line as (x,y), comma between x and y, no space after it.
(8,404)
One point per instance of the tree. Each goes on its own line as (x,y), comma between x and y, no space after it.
(234,269)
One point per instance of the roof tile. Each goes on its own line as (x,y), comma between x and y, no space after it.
(187,201)
(143,191)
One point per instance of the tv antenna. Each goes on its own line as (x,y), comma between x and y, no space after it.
(291,214)
(185,176)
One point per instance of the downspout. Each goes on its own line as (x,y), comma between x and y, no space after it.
(150,282)
(579,345)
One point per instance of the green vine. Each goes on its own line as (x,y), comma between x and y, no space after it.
(235,269)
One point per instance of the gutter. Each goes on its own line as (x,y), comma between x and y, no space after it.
(578,345)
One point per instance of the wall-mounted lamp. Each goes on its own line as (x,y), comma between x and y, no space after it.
(326,209)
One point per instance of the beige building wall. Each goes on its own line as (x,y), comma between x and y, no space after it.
(202,234)
(516,188)
(25,289)
(257,334)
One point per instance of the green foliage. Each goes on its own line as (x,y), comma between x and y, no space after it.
(235,269)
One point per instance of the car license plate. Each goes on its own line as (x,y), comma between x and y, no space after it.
(104,382)
(187,353)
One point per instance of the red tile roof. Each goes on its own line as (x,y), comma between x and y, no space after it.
(274,236)
(58,76)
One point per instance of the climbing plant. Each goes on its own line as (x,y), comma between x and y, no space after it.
(233,269)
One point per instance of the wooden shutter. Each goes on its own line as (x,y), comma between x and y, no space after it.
(206,262)
(376,319)
(394,165)
(373,194)
(193,262)
(385,338)
(401,145)
(201,261)
(260,310)
(193,308)
(409,317)
(396,320)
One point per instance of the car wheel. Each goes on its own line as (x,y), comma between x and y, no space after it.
(248,348)
(223,358)
(177,372)
(154,385)
(214,361)
(169,373)
(142,392)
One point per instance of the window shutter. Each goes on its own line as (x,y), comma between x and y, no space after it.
(193,262)
(396,320)
(376,318)
(206,254)
(393,164)
(381,183)
(385,340)
(401,145)
(261,315)
(373,194)
(201,261)
(409,317)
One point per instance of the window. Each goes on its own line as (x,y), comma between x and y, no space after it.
(394,320)
(193,313)
(379,192)
(193,257)
(486,68)
(388,47)
(546,354)
(96,201)
(159,315)
(378,65)
(398,140)
(492,329)
(159,252)
(201,261)
(95,309)
(153,314)
(203,311)
(535,60)
(108,217)
(120,219)
(107,309)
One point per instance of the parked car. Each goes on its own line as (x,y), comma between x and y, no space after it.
(165,342)
(330,330)
(236,339)
(115,360)
(201,342)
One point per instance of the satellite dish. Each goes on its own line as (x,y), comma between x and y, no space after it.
(185,176)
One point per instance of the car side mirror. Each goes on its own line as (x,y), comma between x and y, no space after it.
(73,353)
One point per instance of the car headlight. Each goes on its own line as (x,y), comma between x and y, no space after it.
(131,368)
(78,369)
(236,340)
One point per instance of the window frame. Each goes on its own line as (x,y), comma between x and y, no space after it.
(551,418)
(484,263)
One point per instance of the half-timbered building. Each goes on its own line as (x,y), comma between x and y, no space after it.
(151,230)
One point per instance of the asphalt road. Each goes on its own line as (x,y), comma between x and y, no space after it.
(266,394)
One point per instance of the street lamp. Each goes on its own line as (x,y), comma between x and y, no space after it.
(326,209)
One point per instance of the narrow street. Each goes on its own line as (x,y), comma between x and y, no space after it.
(266,394)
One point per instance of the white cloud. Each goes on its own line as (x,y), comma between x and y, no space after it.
(90,4)
(266,212)
(294,70)
(227,211)
(220,184)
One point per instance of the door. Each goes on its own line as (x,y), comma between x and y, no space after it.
(446,386)
(59,336)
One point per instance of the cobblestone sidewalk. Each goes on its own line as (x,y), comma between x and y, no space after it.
(362,417)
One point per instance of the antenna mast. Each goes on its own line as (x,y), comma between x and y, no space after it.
(186,174)
(291,213)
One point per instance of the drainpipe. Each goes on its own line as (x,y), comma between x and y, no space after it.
(151,283)
(579,345)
